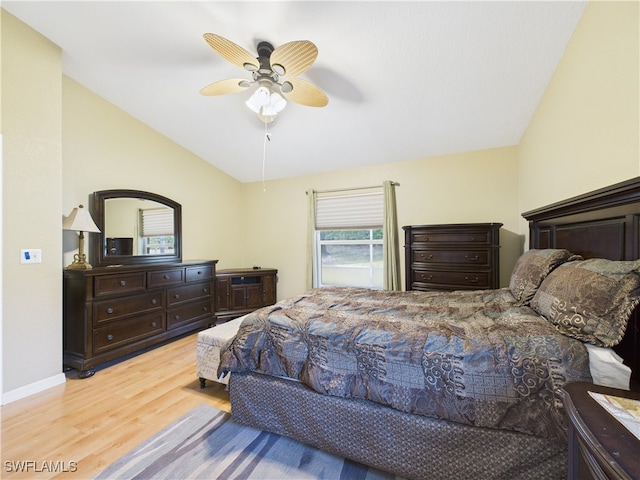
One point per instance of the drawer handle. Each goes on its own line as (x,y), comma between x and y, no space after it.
(122,283)
(154,324)
(473,238)
(176,296)
(205,290)
(109,310)
(166,277)
(176,317)
(205,309)
(199,272)
(473,259)
(426,277)
(154,301)
(472,280)
(109,337)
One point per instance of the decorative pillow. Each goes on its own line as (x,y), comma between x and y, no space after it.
(590,300)
(532,268)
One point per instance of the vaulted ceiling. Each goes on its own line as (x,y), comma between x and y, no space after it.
(405,80)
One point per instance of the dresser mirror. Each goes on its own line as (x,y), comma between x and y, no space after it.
(136,228)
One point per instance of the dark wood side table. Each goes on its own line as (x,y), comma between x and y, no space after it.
(599,445)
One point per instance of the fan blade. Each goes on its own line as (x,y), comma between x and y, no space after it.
(231,51)
(294,57)
(306,93)
(224,87)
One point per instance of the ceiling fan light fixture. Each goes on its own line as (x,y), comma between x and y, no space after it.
(266,104)
(276,105)
(290,59)
(259,99)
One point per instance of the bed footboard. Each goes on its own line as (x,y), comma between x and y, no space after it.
(408,445)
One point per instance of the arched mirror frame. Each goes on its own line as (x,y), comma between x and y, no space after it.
(100,257)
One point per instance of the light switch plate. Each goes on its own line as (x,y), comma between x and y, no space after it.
(31,255)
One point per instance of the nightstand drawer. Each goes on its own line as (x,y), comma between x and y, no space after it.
(107,310)
(452,257)
(122,283)
(182,315)
(127,331)
(452,280)
(179,295)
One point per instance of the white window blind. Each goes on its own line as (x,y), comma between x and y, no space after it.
(350,210)
(156,222)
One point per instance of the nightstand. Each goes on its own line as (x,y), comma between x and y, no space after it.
(599,445)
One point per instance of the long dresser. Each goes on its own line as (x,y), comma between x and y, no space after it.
(243,290)
(110,312)
(462,256)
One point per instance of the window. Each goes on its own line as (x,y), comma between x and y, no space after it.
(350,257)
(157,231)
(349,239)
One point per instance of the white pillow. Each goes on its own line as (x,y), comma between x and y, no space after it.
(607,368)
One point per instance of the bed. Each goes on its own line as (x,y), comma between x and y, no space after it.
(452,384)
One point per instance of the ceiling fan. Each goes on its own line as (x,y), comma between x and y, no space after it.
(274,70)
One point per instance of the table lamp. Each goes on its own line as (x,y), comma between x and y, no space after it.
(80,220)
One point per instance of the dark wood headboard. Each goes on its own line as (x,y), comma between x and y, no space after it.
(604,223)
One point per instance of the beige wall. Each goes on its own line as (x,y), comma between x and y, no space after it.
(104,148)
(47,117)
(471,187)
(584,134)
(31,177)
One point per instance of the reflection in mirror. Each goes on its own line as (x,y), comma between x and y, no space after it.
(136,227)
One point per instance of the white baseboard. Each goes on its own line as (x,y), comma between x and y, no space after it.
(32,388)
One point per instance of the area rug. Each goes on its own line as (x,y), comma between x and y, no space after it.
(206,444)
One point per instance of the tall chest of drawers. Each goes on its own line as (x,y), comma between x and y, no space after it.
(110,312)
(461,256)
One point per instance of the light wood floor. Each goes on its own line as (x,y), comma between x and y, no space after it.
(95,421)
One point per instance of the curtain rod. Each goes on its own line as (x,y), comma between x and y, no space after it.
(396,184)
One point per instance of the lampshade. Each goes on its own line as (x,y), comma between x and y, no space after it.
(80,220)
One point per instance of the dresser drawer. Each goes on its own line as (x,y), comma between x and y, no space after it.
(177,295)
(480,238)
(196,274)
(128,331)
(188,313)
(165,277)
(121,283)
(114,308)
(452,257)
(457,280)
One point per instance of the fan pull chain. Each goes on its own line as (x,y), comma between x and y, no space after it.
(267,138)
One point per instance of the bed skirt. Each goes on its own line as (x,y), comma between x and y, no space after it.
(410,446)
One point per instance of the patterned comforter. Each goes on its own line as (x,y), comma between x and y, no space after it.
(473,357)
